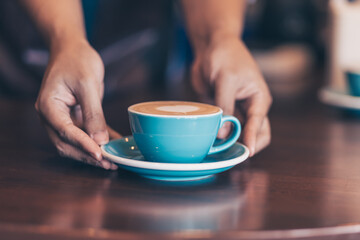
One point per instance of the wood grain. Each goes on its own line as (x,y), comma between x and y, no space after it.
(305,185)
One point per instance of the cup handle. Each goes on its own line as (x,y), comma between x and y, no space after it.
(233,137)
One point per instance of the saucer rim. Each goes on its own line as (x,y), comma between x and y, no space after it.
(175,166)
(339,99)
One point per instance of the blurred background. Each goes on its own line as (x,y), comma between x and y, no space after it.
(144,45)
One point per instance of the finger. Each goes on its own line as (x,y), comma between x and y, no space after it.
(256,112)
(240,116)
(93,117)
(250,132)
(264,136)
(198,81)
(112,133)
(76,116)
(57,115)
(225,99)
(67,150)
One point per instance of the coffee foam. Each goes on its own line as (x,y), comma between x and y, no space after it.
(175,108)
(178,108)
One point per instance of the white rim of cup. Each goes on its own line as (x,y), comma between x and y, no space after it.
(174,116)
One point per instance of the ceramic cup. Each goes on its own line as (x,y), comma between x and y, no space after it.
(353,79)
(180,139)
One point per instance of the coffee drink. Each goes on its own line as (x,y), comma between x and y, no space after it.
(179,132)
(176,108)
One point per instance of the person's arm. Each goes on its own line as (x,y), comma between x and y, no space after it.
(211,20)
(61,22)
(69,101)
(224,64)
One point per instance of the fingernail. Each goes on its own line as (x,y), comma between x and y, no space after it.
(100,137)
(106,165)
(252,151)
(114,167)
(97,156)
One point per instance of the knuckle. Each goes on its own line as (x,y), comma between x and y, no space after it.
(36,105)
(95,116)
(64,132)
(90,115)
(268,102)
(268,140)
(87,81)
(266,98)
(269,98)
(41,105)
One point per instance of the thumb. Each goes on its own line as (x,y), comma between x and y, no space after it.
(225,99)
(93,116)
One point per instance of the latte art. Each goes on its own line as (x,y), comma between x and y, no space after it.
(176,108)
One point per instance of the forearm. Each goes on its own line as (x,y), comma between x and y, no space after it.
(61,22)
(211,20)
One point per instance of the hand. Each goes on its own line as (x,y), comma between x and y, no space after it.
(69,103)
(226,70)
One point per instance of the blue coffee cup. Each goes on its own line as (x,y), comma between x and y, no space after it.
(353,79)
(180,139)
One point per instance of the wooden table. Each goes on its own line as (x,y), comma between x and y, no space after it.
(305,185)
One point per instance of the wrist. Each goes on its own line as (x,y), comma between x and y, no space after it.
(219,37)
(66,41)
(201,44)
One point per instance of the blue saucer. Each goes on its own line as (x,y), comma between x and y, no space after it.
(125,153)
